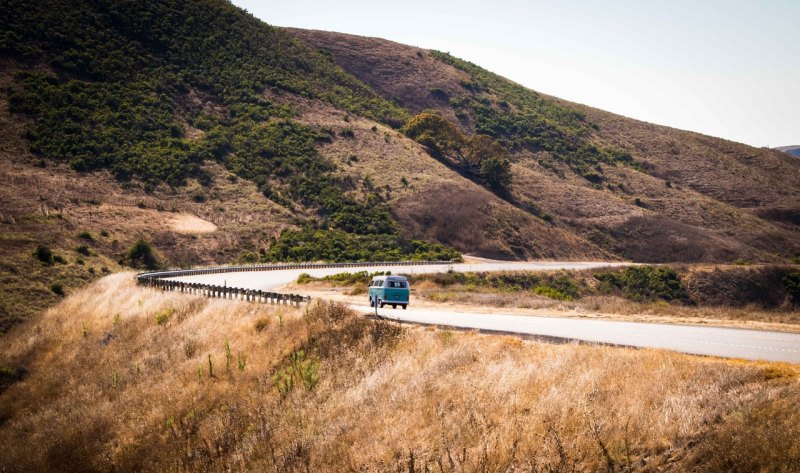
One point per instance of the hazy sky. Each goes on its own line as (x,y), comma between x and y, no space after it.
(725,68)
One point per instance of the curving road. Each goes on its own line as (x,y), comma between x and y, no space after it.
(714,341)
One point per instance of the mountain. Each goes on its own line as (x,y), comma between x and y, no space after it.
(793,150)
(680,196)
(213,137)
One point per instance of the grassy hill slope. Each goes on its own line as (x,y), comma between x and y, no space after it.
(119,377)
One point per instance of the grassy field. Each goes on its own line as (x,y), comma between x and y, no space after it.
(125,378)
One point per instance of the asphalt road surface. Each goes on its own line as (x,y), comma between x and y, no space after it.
(714,341)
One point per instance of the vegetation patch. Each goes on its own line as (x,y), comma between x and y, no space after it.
(142,255)
(521,118)
(309,244)
(762,286)
(560,286)
(644,283)
(344,279)
(479,156)
(129,79)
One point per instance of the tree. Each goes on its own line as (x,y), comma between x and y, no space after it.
(479,155)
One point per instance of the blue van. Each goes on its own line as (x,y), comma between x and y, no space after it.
(393,290)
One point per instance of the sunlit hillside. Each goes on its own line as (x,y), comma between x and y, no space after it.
(118,377)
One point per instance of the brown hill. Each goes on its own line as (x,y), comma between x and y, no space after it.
(694,198)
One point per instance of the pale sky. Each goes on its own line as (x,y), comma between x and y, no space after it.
(724,68)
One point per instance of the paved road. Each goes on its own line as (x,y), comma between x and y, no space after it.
(715,341)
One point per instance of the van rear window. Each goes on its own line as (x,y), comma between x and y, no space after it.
(397,284)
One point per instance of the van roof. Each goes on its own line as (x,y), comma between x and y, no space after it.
(391,278)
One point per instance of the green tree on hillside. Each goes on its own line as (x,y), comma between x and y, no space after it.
(479,155)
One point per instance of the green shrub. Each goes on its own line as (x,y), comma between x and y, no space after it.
(791,282)
(43,254)
(344,279)
(298,370)
(517,117)
(333,245)
(86,236)
(305,278)
(57,289)
(141,254)
(83,250)
(480,156)
(248,257)
(644,283)
(551,292)
(163,315)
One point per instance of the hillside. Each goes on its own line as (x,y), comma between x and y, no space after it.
(122,378)
(680,197)
(214,137)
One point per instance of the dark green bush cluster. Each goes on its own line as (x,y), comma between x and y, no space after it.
(123,127)
(309,244)
(560,286)
(644,283)
(478,156)
(344,279)
(142,255)
(791,282)
(125,70)
(43,254)
(523,118)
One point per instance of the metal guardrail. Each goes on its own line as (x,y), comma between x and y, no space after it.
(157,279)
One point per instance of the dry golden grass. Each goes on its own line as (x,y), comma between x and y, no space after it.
(108,387)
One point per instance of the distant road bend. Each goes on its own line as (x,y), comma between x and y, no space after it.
(713,341)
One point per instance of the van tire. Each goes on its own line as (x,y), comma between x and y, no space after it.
(394,306)
(404,306)
(371,302)
(380,303)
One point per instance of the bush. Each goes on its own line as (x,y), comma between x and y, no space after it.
(791,282)
(248,257)
(163,315)
(298,370)
(521,118)
(344,279)
(57,289)
(644,283)
(262,324)
(86,236)
(141,254)
(83,250)
(561,286)
(333,245)
(44,254)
